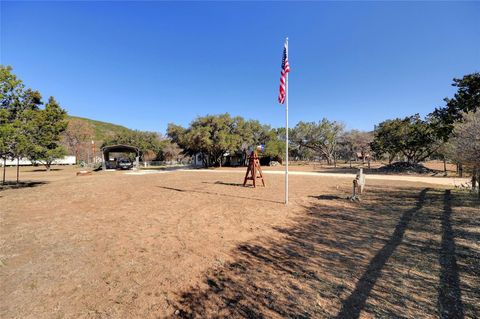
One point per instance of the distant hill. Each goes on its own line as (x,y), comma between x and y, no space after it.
(101,129)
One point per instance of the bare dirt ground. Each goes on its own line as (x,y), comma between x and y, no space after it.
(200,245)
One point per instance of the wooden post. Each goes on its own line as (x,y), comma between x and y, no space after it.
(360,180)
(252,169)
(358,185)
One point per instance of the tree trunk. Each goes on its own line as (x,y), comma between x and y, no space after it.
(329,159)
(460,170)
(47,165)
(444,166)
(18,168)
(205,161)
(474,178)
(390,159)
(478,181)
(4,168)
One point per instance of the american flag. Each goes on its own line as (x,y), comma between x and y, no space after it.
(283,74)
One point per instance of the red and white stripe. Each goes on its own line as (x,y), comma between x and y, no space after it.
(283,74)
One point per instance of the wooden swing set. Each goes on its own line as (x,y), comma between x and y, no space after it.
(253,170)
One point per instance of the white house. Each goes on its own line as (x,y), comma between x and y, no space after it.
(67,160)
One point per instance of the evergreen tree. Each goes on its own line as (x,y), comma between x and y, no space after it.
(45,128)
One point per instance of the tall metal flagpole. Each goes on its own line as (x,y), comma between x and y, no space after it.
(286,133)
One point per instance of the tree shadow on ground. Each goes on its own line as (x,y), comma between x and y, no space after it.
(224,183)
(380,258)
(327,197)
(216,194)
(354,304)
(449,297)
(45,170)
(24,184)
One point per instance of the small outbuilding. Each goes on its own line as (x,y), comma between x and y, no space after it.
(113,153)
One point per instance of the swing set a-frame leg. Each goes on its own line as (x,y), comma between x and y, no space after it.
(246,176)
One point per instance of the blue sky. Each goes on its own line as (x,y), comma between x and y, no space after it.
(146,64)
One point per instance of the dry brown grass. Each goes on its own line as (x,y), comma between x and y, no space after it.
(112,245)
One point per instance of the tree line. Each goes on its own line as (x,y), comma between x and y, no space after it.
(450,132)
(37,131)
(214,136)
(28,127)
(41,132)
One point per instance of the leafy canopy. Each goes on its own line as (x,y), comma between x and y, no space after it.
(465,100)
(216,135)
(321,137)
(411,136)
